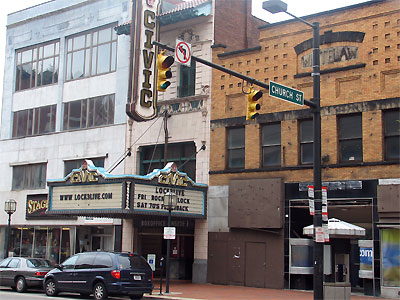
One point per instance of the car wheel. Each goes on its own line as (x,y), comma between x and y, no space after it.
(50,288)
(20,286)
(99,291)
(136,297)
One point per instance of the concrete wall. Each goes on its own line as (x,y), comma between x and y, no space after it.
(42,23)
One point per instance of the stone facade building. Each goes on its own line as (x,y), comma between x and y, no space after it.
(181,131)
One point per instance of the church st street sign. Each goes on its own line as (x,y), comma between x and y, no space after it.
(91,191)
(286,93)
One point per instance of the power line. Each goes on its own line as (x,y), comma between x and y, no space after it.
(128,151)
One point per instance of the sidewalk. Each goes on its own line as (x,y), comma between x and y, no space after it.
(191,291)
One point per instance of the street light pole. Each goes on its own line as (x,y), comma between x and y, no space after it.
(8,235)
(318,279)
(170,202)
(10,206)
(168,252)
(275,6)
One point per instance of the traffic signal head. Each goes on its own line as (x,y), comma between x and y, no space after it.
(164,72)
(252,105)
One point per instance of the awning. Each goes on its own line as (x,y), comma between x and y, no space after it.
(338,228)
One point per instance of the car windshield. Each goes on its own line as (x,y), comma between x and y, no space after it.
(130,261)
(37,262)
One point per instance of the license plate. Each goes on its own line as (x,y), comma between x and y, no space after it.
(137,277)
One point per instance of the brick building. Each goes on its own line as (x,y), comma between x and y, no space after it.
(259,170)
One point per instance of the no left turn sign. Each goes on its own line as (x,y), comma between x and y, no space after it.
(183,52)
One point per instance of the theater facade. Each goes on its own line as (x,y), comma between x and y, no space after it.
(92,192)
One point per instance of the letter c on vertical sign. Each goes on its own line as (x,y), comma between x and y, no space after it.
(147,15)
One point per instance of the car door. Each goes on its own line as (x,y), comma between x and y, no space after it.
(64,278)
(10,271)
(83,273)
(3,268)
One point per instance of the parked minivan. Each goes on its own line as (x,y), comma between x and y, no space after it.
(101,274)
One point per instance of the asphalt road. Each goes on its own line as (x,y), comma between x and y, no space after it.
(7,294)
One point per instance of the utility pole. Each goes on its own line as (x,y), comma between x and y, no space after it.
(165,120)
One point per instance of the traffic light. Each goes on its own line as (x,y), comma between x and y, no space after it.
(164,72)
(252,105)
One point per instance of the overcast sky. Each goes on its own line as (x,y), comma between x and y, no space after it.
(296,7)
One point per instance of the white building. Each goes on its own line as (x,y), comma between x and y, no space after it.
(63,101)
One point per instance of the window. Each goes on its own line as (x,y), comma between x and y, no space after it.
(70,263)
(38,262)
(391,123)
(187,80)
(102,261)
(34,121)
(37,65)
(271,145)
(301,256)
(76,164)
(89,113)
(236,148)
(14,263)
(306,138)
(91,53)
(132,262)
(183,154)
(28,177)
(390,253)
(85,261)
(4,262)
(350,138)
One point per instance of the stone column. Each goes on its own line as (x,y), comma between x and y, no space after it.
(200,252)
(127,235)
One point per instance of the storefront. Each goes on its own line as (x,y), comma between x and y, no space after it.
(40,237)
(94,193)
(354,202)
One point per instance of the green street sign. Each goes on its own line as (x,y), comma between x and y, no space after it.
(286,93)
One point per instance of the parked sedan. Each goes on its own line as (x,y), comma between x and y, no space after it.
(21,273)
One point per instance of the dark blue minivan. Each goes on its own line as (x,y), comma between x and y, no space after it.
(101,274)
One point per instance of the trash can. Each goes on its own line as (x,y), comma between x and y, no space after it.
(337,290)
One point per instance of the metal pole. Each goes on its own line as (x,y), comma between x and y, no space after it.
(168,252)
(317,219)
(166,116)
(161,273)
(8,235)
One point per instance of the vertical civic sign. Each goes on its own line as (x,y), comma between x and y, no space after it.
(142,95)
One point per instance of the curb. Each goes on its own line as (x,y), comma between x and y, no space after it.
(169,297)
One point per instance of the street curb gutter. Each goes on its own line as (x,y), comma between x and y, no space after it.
(167,297)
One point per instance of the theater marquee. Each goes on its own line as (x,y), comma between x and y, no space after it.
(90,191)
(99,196)
(150,198)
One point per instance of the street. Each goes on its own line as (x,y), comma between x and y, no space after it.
(7,294)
